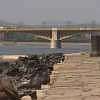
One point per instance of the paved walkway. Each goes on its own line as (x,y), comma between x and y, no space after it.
(77,79)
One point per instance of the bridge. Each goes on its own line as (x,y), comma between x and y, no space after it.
(57,33)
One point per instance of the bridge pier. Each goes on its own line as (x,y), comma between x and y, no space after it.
(95,44)
(55,39)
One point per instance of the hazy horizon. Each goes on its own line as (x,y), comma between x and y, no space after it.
(37,11)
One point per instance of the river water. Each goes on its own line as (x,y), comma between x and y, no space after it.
(39,48)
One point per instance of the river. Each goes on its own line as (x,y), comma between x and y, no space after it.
(39,48)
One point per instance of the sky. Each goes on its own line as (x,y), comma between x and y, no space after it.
(37,11)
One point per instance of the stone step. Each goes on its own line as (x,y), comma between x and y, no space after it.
(77,74)
(91,97)
(84,63)
(64,91)
(78,67)
(58,97)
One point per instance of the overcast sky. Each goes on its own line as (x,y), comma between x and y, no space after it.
(36,11)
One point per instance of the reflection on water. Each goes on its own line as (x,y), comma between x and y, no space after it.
(38,48)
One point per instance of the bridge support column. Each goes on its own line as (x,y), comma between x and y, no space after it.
(95,44)
(55,40)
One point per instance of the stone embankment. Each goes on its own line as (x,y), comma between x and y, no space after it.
(27,74)
(78,78)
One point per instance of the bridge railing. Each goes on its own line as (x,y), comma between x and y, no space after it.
(49,26)
(61,26)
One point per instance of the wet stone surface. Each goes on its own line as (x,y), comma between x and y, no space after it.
(29,73)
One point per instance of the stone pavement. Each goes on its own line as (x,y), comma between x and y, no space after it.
(77,79)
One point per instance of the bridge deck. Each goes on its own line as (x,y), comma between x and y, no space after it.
(31,29)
